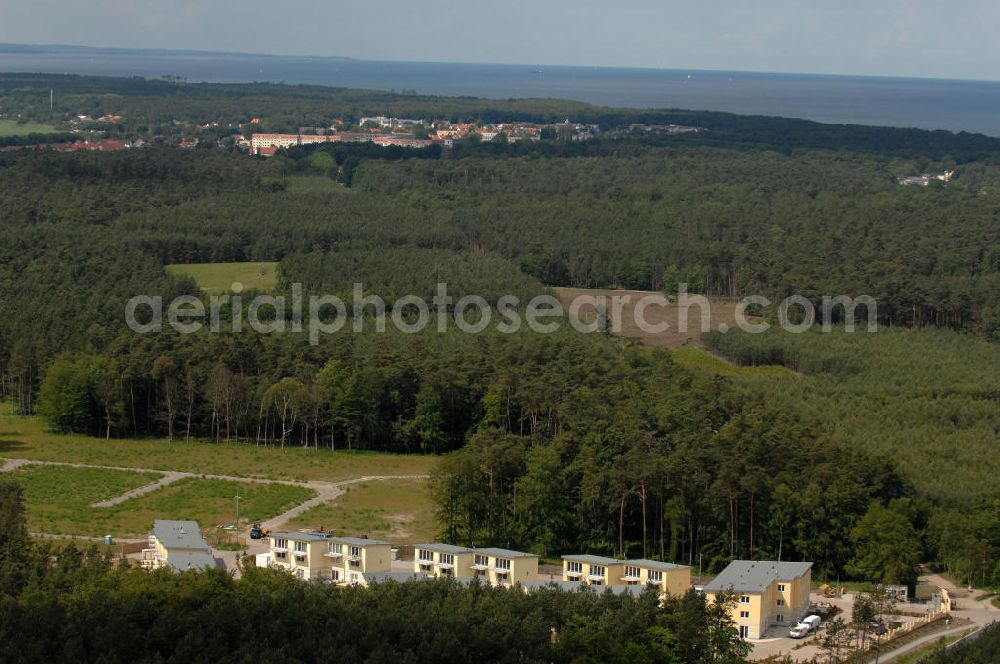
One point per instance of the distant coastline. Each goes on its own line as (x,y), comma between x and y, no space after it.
(955,105)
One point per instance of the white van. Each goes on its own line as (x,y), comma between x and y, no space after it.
(804,627)
(813,622)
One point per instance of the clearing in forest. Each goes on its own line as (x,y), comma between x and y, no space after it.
(722,312)
(219,277)
(13,128)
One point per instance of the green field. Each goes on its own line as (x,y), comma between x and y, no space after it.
(59,499)
(703,361)
(13,128)
(400,511)
(220,277)
(28,438)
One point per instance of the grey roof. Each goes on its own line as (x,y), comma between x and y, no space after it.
(357,541)
(755,575)
(593,560)
(179,534)
(443,548)
(653,564)
(504,553)
(398,577)
(182,562)
(301,537)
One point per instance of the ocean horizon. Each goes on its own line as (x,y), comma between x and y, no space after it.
(953,105)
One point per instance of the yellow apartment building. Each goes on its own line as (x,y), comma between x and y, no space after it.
(351,558)
(594,570)
(438,559)
(301,554)
(768,593)
(503,567)
(177,545)
(668,578)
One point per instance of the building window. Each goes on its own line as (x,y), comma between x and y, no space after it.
(574,567)
(300,573)
(744,631)
(744,614)
(446,559)
(780,618)
(301,547)
(631,571)
(426,555)
(744,599)
(597,570)
(337,548)
(781,587)
(280,555)
(781,602)
(481,560)
(503,563)
(280,544)
(655,576)
(335,575)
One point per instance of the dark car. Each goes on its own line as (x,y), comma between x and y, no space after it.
(256,532)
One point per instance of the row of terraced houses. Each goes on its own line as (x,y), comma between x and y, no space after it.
(768,593)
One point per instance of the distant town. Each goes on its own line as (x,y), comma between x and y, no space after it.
(379,130)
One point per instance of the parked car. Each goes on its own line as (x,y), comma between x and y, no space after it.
(813,621)
(798,630)
(256,532)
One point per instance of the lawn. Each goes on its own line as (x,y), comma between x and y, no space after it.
(220,277)
(702,361)
(28,438)
(401,511)
(13,128)
(59,498)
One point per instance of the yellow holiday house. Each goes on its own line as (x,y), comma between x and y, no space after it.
(767,593)
(351,558)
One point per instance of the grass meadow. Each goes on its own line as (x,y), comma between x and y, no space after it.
(59,500)
(400,511)
(28,438)
(219,277)
(13,128)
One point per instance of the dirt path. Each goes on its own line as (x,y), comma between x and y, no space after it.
(329,491)
(169,477)
(12,464)
(325,491)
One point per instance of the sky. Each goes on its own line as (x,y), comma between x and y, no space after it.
(922,38)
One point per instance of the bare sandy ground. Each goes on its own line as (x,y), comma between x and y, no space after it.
(668,321)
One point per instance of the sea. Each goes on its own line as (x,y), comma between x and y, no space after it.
(954,105)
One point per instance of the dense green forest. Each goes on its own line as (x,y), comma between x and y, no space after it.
(563,441)
(58,603)
(929,401)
